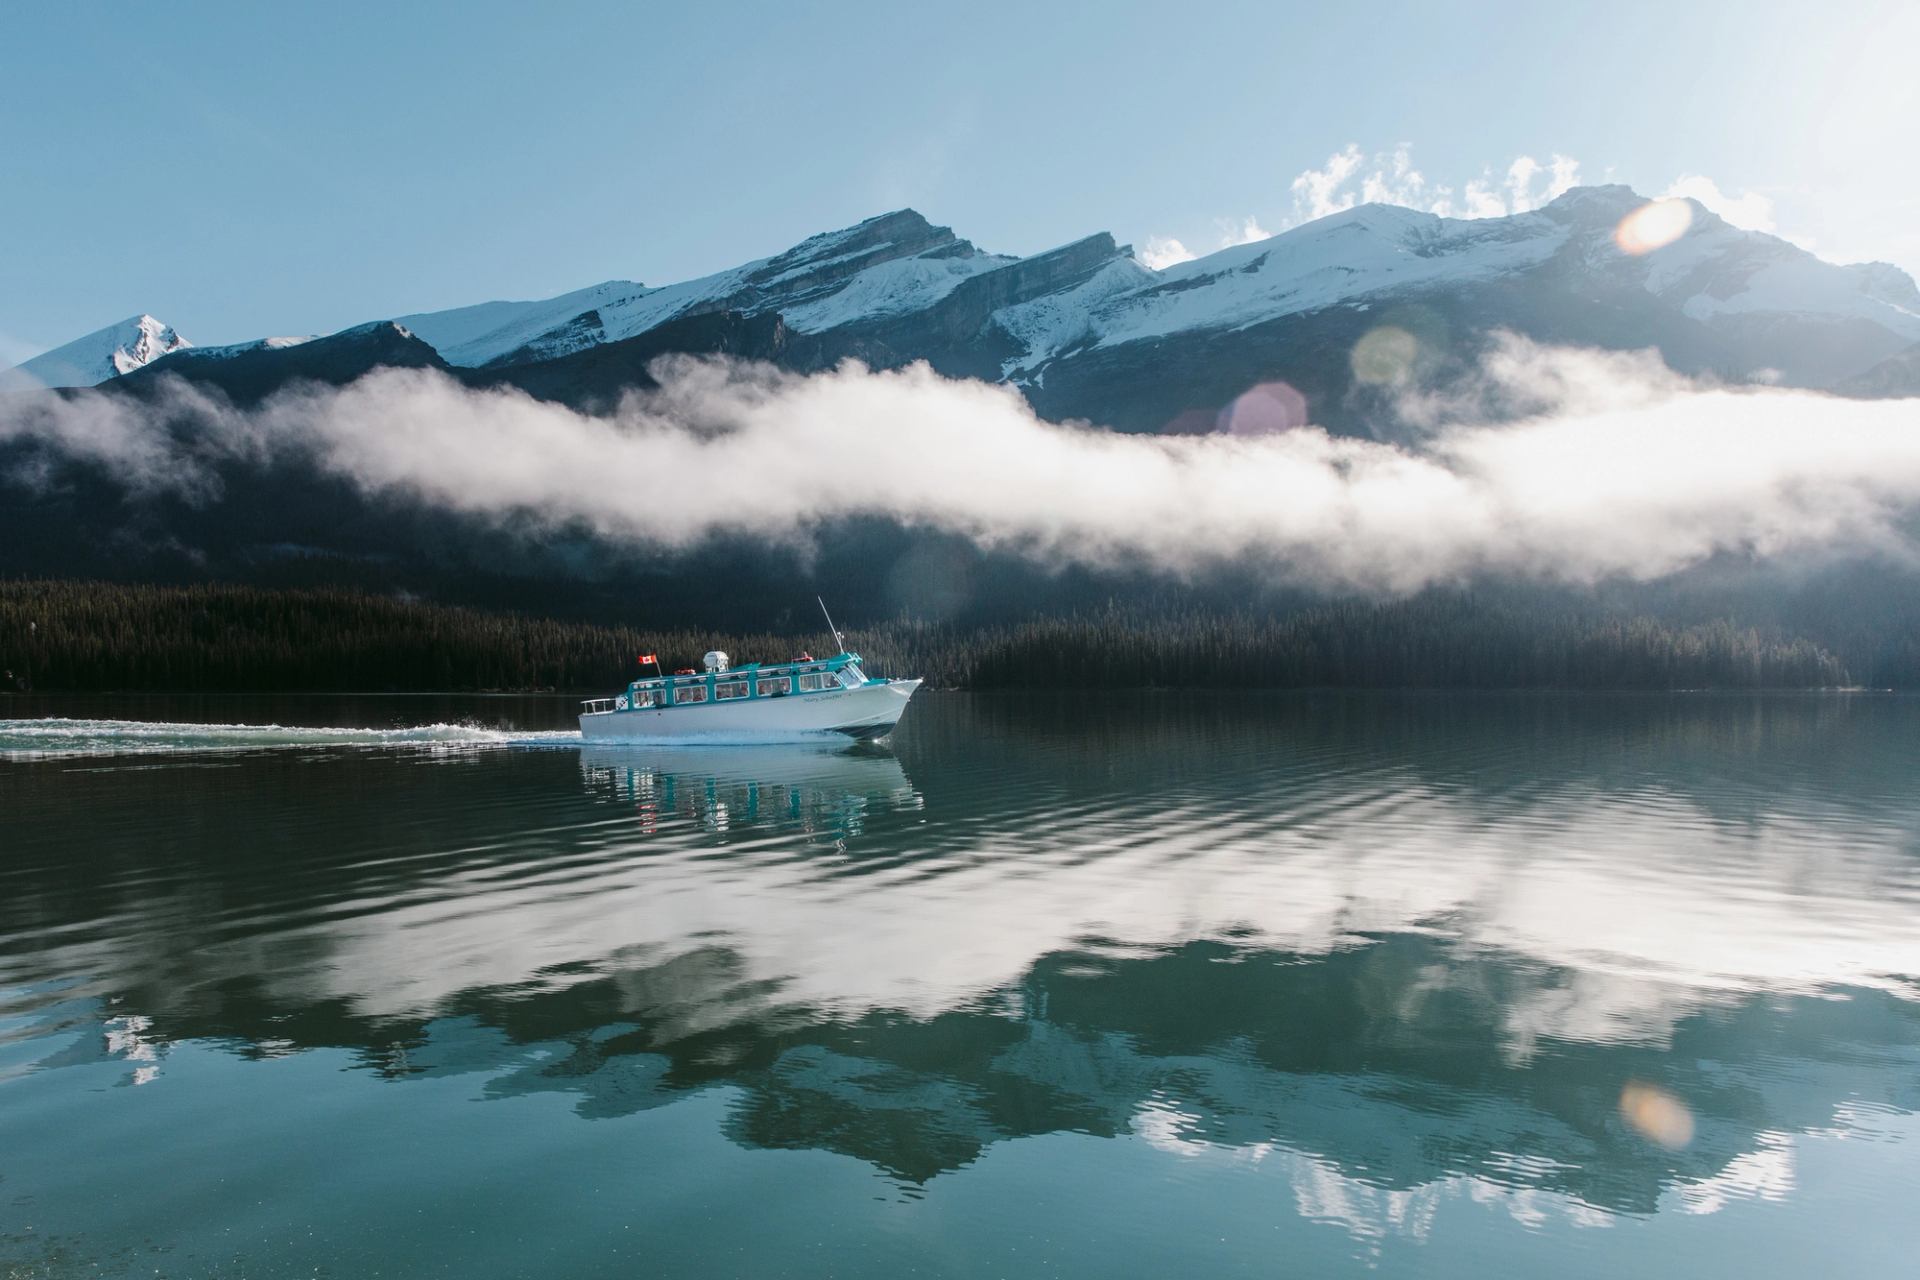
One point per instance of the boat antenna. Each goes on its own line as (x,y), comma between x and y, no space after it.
(829,617)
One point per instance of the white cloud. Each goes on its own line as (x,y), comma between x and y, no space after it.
(1241,231)
(1319,190)
(1620,469)
(1749,209)
(1351,177)
(1161,252)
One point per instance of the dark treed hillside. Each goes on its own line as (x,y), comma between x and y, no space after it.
(100,636)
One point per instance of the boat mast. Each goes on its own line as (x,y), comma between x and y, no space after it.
(829,617)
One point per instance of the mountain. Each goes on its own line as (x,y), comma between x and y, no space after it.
(893,264)
(1347,310)
(104,353)
(479,334)
(1086,331)
(1896,376)
(1737,305)
(250,371)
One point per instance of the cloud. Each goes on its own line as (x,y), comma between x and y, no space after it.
(1749,209)
(1350,177)
(1319,191)
(1162,252)
(1241,231)
(139,443)
(1615,467)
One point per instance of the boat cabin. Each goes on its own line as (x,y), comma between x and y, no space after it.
(723,683)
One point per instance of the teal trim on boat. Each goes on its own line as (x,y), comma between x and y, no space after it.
(753,680)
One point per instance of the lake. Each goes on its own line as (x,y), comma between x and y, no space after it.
(1447,985)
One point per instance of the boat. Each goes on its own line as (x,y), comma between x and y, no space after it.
(756,702)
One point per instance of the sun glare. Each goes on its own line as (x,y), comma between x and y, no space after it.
(1654,225)
(1657,1115)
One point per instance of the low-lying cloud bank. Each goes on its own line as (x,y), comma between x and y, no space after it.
(1616,467)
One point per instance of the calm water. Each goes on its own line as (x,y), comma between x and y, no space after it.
(1148,985)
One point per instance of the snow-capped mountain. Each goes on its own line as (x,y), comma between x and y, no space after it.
(1086,331)
(887,265)
(476,335)
(233,349)
(102,354)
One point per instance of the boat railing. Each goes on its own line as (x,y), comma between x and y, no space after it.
(752,680)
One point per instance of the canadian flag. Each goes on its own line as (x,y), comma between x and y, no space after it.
(645,658)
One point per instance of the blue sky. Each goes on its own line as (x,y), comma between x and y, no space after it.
(242,170)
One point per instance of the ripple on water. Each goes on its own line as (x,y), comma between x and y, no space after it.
(1403,959)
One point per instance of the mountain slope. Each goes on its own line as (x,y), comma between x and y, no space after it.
(1733,304)
(894,264)
(1086,331)
(250,372)
(1895,377)
(476,335)
(105,353)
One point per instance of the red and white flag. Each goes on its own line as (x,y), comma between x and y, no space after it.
(645,658)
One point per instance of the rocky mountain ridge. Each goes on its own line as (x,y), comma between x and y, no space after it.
(1088,332)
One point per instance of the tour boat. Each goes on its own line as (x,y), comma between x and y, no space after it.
(758,702)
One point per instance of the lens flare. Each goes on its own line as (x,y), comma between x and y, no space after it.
(1263,409)
(1656,1115)
(1385,356)
(1654,225)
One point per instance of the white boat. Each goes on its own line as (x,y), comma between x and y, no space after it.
(759,702)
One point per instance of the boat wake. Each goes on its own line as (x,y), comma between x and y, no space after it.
(56,738)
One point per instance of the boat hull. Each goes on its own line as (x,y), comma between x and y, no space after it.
(869,711)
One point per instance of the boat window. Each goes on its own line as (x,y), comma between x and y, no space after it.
(851,678)
(810,681)
(776,687)
(730,689)
(689,693)
(644,698)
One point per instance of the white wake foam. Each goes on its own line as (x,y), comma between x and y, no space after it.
(57,737)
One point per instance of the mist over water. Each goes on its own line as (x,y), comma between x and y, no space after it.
(1435,984)
(1560,465)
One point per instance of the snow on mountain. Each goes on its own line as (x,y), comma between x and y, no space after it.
(233,349)
(484,332)
(1364,250)
(890,288)
(896,287)
(1057,321)
(1716,269)
(888,265)
(1731,280)
(103,354)
(895,263)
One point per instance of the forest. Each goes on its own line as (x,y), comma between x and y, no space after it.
(98,636)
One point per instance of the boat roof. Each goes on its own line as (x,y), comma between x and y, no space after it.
(748,670)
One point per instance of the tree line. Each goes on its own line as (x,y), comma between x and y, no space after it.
(89,635)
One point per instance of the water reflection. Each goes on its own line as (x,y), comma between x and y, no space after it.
(1576,959)
(823,789)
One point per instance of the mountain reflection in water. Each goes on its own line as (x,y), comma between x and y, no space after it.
(1413,949)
